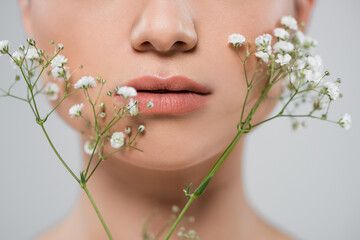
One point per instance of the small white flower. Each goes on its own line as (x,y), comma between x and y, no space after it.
(283,46)
(315,62)
(283,59)
(304,40)
(281,33)
(263,43)
(89,147)
(60,73)
(332,89)
(141,128)
(263,56)
(117,139)
(32,54)
(345,121)
(4,46)
(289,22)
(17,56)
(58,61)
(75,111)
(236,39)
(85,82)
(127,92)
(133,107)
(52,91)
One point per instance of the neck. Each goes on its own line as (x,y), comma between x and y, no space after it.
(127,195)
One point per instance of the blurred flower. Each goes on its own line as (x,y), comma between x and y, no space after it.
(236,39)
(75,110)
(345,121)
(4,46)
(32,54)
(51,90)
(126,92)
(332,90)
(58,61)
(117,139)
(85,82)
(289,22)
(89,147)
(281,33)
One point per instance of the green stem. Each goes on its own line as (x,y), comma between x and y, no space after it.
(191,199)
(56,152)
(206,180)
(97,212)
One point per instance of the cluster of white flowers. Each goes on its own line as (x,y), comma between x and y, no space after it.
(76,110)
(85,82)
(133,107)
(51,90)
(263,45)
(89,147)
(303,71)
(32,54)
(191,234)
(236,39)
(117,139)
(126,91)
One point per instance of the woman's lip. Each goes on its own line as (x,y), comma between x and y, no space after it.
(168,103)
(182,94)
(173,83)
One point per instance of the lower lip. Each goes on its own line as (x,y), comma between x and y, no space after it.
(169,103)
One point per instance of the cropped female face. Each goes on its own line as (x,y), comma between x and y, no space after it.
(127,39)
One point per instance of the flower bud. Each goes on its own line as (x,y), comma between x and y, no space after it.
(102,114)
(41,52)
(102,105)
(127,130)
(52,42)
(141,128)
(22,48)
(60,46)
(109,93)
(31,41)
(149,105)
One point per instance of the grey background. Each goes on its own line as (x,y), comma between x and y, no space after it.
(309,186)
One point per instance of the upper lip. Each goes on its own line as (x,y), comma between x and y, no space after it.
(174,83)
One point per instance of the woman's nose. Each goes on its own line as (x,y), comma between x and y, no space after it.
(164,26)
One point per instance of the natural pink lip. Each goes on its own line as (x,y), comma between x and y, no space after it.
(171,95)
(174,83)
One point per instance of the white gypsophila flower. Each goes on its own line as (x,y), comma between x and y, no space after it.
(4,46)
(60,73)
(289,22)
(17,56)
(281,33)
(236,39)
(283,59)
(58,61)
(52,91)
(141,128)
(315,68)
(32,54)
(89,147)
(85,82)
(263,56)
(345,121)
(283,46)
(133,107)
(75,110)
(263,43)
(117,139)
(332,89)
(127,92)
(304,40)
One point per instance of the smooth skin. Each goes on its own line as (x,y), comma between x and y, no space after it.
(121,40)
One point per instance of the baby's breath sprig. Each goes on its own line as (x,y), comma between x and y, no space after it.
(289,60)
(28,60)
